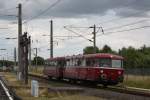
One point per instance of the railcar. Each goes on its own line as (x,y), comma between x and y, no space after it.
(54,67)
(103,68)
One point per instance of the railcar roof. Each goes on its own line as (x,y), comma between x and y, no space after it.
(57,58)
(97,55)
(103,55)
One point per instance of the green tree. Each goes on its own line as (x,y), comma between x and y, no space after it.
(130,56)
(136,57)
(90,50)
(107,49)
(40,61)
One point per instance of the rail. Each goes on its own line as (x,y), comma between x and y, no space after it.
(4,93)
(126,90)
(8,91)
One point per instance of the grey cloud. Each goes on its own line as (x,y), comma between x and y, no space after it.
(75,8)
(78,8)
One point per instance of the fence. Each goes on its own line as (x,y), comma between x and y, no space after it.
(137,71)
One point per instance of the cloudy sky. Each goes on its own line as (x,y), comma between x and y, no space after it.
(125,23)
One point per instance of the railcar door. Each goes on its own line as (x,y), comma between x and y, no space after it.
(60,69)
(91,70)
(82,70)
(69,69)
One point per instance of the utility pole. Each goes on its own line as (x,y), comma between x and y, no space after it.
(94,38)
(29,47)
(15,57)
(36,57)
(3,62)
(51,39)
(25,41)
(94,34)
(19,47)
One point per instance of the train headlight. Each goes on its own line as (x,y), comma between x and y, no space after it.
(119,72)
(101,71)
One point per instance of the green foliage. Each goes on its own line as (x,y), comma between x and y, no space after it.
(6,63)
(107,49)
(90,50)
(38,60)
(134,58)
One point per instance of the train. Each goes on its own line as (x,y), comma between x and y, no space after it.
(99,68)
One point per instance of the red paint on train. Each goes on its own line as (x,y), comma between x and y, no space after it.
(101,68)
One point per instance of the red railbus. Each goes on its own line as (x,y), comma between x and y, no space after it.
(54,67)
(103,68)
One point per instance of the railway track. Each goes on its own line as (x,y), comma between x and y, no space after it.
(5,92)
(124,90)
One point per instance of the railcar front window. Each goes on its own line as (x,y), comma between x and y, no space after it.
(117,63)
(105,63)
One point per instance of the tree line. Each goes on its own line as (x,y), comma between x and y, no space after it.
(133,58)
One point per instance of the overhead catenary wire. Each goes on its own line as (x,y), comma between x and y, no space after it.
(4,15)
(120,18)
(131,29)
(78,34)
(7,9)
(44,11)
(117,27)
(125,25)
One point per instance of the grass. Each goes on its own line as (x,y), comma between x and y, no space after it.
(24,91)
(37,71)
(137,81)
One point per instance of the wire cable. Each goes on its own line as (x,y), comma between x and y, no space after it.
(40,14)
(120,18)
(143,27)
(125,25)
(78,34)
(7,9)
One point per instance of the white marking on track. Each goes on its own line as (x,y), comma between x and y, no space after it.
(6,91)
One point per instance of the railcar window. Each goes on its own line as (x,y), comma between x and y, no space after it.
(91,62)
(79,62)
(88,63)
(73,62)
(60,63)
(117,63)
(52,63)
(83,62)
(68,62)
(105,62)
(46,63)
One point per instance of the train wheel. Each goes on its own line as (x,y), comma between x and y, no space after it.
(49,77)
(59,78)
(105,85)
(72,81)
